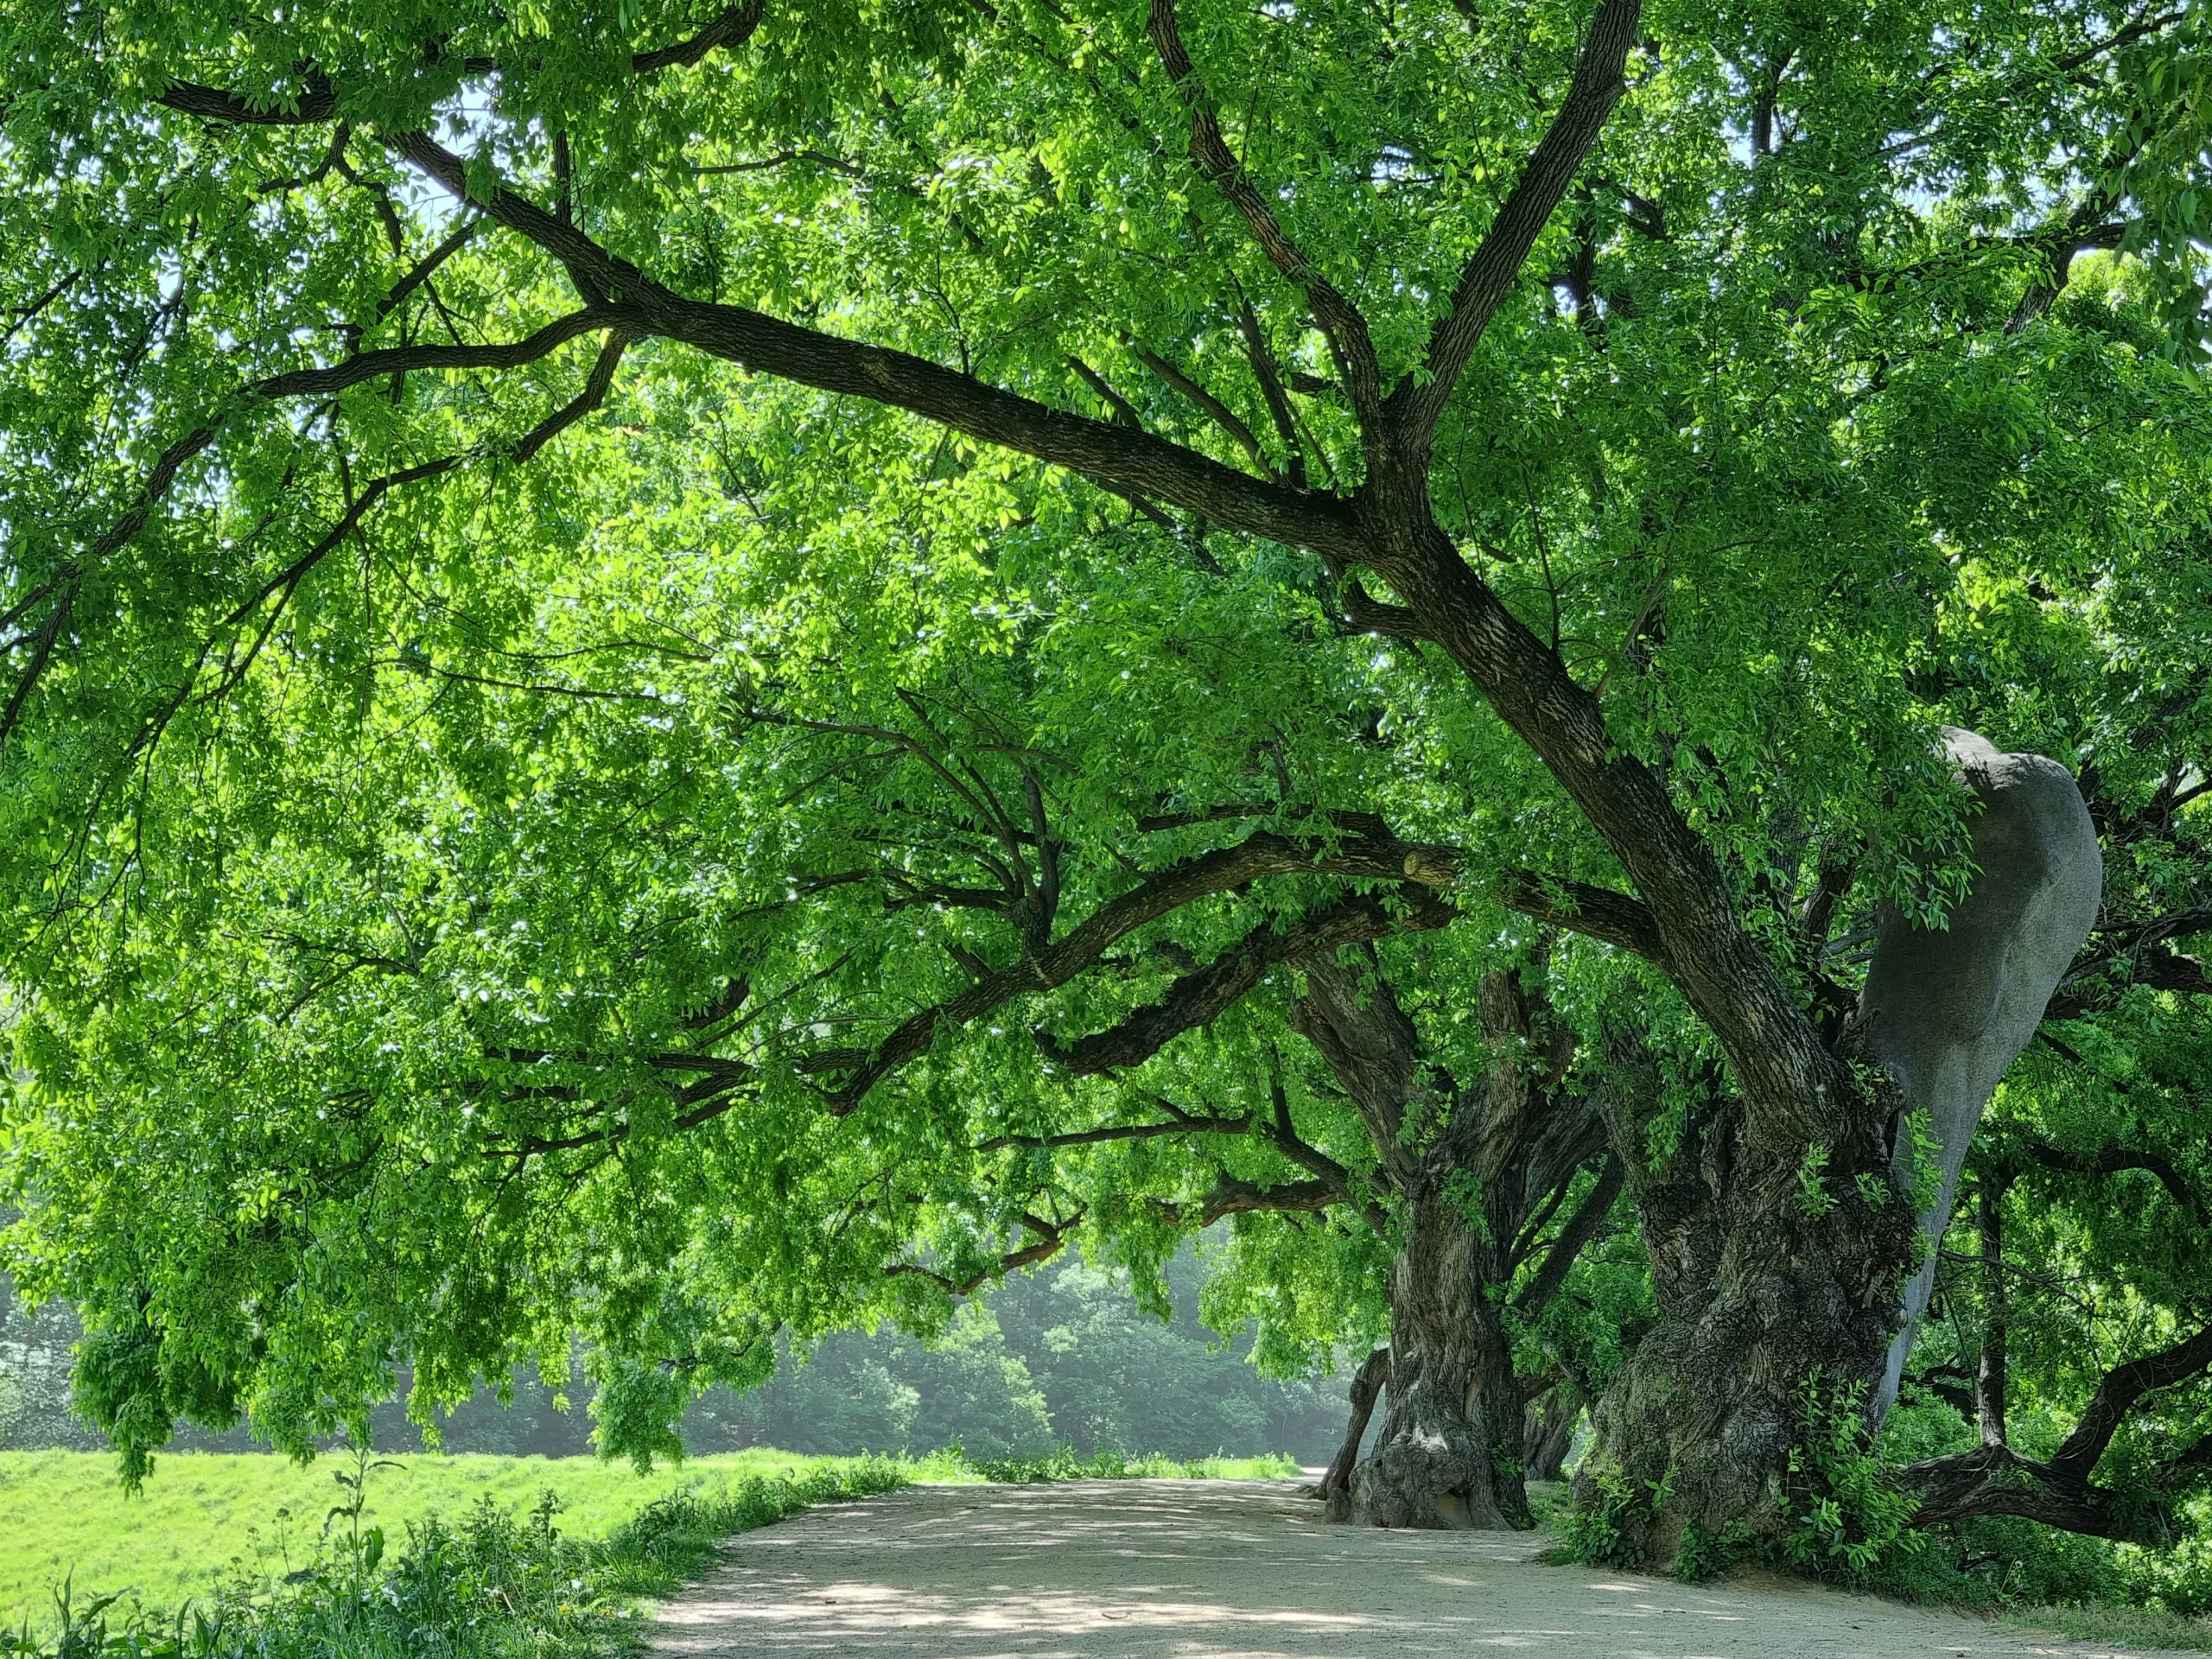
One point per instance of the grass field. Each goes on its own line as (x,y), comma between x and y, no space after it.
(61,1512)
(204,1516)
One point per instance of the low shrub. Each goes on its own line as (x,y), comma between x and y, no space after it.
(495,1585)
(1850,1521)
(1608,1530)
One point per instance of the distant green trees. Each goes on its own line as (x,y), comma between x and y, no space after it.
(1058,1357)
(1065,1356)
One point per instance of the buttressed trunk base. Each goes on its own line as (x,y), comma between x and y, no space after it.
(1439,1459)
(1776,1284)
(1767,1295)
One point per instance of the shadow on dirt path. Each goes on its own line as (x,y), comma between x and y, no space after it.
(1241,1570)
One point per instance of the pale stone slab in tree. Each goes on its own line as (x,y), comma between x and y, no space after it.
(1945,1011)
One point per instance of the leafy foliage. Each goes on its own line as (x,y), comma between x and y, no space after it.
(1849,1520)
(555,835)
(1609,1530)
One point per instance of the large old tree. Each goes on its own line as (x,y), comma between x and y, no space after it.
(670,673)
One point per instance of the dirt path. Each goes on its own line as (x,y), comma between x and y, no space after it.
(1240,1570)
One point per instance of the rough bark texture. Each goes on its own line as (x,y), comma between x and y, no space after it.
(1434,1462)
(1367,1385)
(1761,1284)
(1772,1277)
(1477,1171)
(1547,1430)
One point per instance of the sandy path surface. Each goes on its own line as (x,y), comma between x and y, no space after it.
(1240,1570)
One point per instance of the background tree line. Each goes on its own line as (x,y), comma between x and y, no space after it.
(1061,1358)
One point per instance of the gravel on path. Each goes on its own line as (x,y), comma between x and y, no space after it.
(1241,1570)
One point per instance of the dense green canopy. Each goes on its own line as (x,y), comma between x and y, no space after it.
(681,677)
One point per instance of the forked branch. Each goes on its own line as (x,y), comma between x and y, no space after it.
(1417,402)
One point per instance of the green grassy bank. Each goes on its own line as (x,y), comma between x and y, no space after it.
(61,1512)
(203,1519)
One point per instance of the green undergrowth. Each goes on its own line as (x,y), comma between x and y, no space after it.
(2134,1627)
(1849,1522)
(496,1584)
(373,1577)
(202,1517)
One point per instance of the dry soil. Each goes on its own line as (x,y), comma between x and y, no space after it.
(1241,1570)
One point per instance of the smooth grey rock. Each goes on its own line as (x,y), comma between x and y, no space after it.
(1945,1013)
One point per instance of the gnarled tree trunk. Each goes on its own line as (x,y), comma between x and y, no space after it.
(1762,1286)
(1547,1430)
(1475,1172)
(1436,1461)
(1775,1280)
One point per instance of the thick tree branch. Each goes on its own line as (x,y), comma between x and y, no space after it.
(2149,22)
(2118,1393)
(1134,460)
(599,383)
(733,29)
(2157,967)
(1996,1480)
(1282,1133)
(1124,411)
(318,103)
(1232,1197)
(2112,1160)
(1367,1385)
(1260,854)
(1179,1122)
(1581,1227)
(1417,402)
(1270,379)
(427,266)
(1797,1092)
(1614,919)
(1051,1239)
(1199,998)
(2142,949)
(69,582)
(1992,1385)
(1365,614)
(1992,1479)
(401,359)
